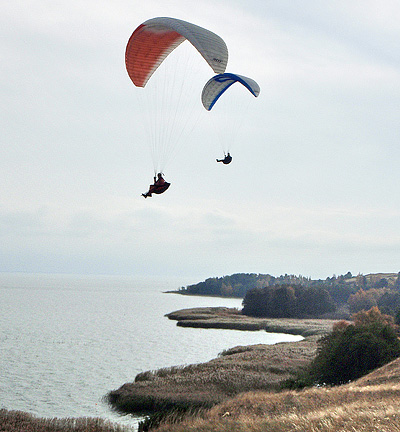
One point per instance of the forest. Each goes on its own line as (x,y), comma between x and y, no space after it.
(291,296)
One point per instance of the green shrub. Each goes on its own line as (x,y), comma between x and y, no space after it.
(351,352)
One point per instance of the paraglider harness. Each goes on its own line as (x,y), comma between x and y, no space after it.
(159,186)
(227,160)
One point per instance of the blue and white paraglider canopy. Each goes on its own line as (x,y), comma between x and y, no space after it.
(217,86)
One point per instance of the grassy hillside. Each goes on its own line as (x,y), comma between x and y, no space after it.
(371,403)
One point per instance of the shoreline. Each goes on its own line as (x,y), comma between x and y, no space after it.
(236,370)
(232,319)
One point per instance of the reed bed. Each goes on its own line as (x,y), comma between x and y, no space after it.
(18,421)
(231,318)
(371,403)
(204,313)
(174,392)
(260,367)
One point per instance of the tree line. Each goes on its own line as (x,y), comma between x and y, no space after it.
(294,296)
(287,301)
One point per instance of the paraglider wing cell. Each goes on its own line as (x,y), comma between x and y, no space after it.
(217,86)
(146,50)
(156,38)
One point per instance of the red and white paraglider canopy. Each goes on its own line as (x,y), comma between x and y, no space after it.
(156,38)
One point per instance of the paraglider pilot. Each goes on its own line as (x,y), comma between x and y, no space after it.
(158,187)
(227,160)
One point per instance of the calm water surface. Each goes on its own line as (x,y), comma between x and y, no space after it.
(65,341)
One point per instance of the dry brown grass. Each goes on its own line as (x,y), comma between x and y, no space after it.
(240,369)
(203,313)
(230,318)
(389,373)
(371,403)
(203,385)
(351,407)
(18,421)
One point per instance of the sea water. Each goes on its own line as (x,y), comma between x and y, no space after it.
(66,341)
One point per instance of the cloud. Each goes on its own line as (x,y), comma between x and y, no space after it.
(313,183)
(154,238)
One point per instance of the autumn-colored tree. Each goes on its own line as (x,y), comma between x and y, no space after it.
(340,325)
(372,316)
(364,300)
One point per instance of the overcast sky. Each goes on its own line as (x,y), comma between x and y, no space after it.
(313,188)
